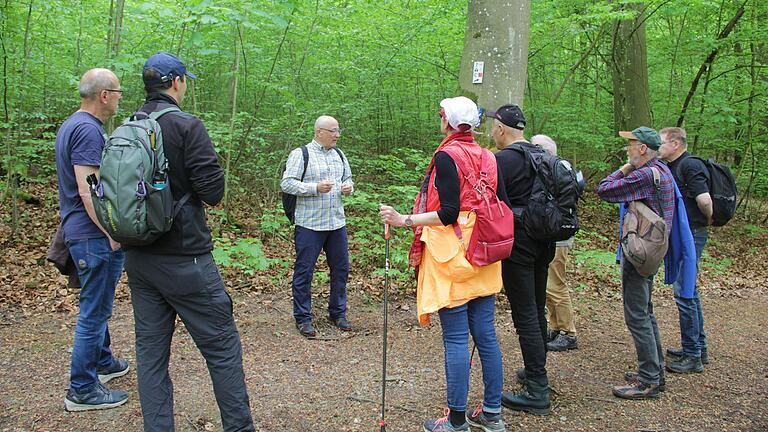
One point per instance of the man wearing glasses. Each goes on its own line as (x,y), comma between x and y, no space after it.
(320,222)
(98,258)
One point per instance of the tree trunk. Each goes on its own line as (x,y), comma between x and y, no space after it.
(119,9)
(497,35)
(629,67)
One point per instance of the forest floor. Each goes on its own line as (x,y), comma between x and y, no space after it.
(333,383)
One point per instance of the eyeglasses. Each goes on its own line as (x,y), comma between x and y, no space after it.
(113,91)
(333,131)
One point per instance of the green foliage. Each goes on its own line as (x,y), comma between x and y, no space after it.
(245,254)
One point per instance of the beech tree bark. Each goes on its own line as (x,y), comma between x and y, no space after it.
(497,35)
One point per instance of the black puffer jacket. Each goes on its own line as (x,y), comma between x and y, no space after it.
(192,166)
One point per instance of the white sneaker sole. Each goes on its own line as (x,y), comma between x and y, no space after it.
(109,377)
(75,407)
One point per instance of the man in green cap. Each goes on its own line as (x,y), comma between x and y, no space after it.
(634,181)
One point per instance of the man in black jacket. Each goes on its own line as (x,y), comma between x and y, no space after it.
(176,275)
(525,271)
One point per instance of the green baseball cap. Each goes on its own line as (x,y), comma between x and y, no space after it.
(645,135)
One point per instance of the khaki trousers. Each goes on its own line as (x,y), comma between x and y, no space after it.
(558,297)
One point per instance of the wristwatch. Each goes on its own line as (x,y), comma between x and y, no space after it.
(409,221)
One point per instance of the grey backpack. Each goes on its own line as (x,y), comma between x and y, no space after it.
(644,239)
(132,197)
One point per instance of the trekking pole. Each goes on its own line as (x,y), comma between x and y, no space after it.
(382,423)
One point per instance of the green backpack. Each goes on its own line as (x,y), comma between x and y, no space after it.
(132,197)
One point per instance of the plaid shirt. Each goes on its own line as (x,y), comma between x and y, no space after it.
(638,185)
(317,211)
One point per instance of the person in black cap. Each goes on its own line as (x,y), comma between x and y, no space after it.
(525,271)
(176,275)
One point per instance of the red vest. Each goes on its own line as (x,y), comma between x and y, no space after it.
(472,155)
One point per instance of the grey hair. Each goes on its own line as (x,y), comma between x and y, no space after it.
(94,81)
(545,142)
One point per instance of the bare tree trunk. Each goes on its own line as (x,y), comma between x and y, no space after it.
(108,50)
(233,114)
(115,49)
(629,66)
(497,35)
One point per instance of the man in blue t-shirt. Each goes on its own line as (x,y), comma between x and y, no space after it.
(98,258)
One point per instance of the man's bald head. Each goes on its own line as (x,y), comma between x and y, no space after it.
(325,121)
(327,131)
(546,143)
(96,80)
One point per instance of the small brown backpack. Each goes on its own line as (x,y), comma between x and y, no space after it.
(644,239)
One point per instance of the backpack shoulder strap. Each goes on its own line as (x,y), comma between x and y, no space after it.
(657,186)
(157,114)
(305,157)
(343,160)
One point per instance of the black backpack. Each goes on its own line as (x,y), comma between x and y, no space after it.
(722,189)
(551,212)
(289,200)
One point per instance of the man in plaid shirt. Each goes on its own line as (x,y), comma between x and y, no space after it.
(320,222)
(633,182)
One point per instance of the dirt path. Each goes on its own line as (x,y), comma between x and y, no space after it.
(334,384)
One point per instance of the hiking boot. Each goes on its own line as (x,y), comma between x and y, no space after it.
(563,342)
(678,352)
(443,425)
(533,398)
(118,368)
(100,397)
(686,364)
(341,323)
(634,378)
(306,329)
(486,422)
(520,375)
(636,391)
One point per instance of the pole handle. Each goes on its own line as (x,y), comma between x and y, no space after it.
(386,231)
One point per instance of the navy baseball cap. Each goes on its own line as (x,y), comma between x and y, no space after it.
(510,114)
(168,66)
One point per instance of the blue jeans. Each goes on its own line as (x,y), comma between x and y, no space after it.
(99,270)
(692,334)
(309,243)
(475,317)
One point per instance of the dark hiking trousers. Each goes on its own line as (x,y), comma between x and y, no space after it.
(524,275)
(641,322)
(163,286)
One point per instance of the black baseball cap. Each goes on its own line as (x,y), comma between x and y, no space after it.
(511,115)
(168,66)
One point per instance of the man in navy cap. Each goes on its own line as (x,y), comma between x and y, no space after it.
(176,275)
(525,271)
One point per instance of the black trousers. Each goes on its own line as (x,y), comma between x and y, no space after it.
(163,286)
(525,281)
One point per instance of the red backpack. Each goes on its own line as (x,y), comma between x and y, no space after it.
(494,232)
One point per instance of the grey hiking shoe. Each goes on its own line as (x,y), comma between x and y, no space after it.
(686,365)
(563,342)
(486,422)
(678,353)
(100,397)
(118,368)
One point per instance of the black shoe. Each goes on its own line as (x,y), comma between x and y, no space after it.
(678,352)
(636,391)
(686,364)
(533,398)
(633,377)
(118,368)
(341,323)
(306,329)
(563,342)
